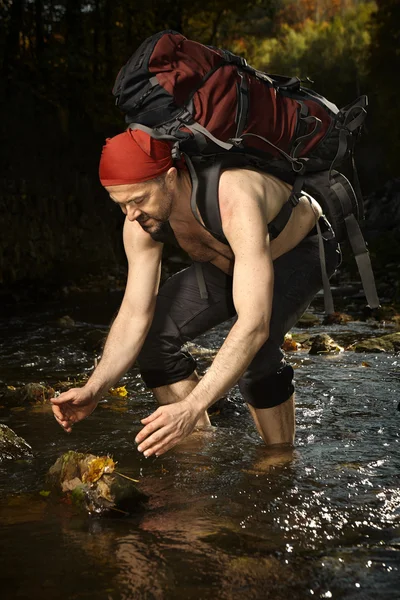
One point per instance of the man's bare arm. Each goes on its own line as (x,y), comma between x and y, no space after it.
(244,223)
(135,315)
(127,333)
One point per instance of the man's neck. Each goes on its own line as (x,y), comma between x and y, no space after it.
(181,211)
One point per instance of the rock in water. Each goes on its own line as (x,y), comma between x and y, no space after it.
(337,318)
(308,320)
(92,484)
(324,344)
(12,446)
(385,343)
(30,393)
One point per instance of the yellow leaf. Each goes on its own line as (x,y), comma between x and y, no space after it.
(119,391)
(96,468)
(44,493)
(11,387)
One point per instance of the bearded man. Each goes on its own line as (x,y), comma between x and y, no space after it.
(266,284)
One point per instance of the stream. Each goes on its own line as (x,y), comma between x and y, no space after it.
(226,517)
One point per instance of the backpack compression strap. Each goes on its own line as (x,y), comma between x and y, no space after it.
(359,248)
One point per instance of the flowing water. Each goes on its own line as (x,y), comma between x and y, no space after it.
(226,518)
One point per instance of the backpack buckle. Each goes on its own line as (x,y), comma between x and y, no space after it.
(236,142)
(176,152)
(294,198)
(299,165)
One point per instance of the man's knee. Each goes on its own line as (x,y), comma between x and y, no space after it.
(161,359)
(269,390)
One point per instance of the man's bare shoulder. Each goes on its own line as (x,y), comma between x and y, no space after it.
(247,182)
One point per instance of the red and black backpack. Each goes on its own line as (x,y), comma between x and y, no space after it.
(219,112)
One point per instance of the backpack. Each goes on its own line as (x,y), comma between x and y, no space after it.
(219,112)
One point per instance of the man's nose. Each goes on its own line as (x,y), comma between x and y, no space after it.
(132,212)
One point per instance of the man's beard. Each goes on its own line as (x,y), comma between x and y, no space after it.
(159,225)
(158,231)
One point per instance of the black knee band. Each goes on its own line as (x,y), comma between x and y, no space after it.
(269,391)
(170,370)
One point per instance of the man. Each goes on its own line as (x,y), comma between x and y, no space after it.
(266,284)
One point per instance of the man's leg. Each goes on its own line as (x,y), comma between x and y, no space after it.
(276,425)
(181,315)
(267,384)
(175,392)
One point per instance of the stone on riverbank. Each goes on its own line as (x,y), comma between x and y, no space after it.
(30,393)
(91,483)
(308,320)
(66,322)
(324,344)
(12,446)
(337,318)
(384,343)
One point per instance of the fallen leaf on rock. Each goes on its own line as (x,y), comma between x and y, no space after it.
(289,345)
(365,364)
(121,392)
(96,468)
(104,491)
(68,486)
(90,483)
(324,344)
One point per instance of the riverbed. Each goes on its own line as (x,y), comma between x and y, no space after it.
(226,518)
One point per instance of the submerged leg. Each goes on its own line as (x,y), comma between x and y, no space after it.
(276,425)
(175,392)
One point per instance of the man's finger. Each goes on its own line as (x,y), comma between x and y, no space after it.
(64,397)
(162,446)
(58,414)
(65,424)
(166,445)
(155,415)
(152,438)
(146,431)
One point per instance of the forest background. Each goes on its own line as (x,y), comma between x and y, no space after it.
(59,60)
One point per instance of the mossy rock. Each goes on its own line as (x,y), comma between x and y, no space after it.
(12,446)
(337,318)
(30,393)
(91,484)
(308,320)
(324,344)
(66,322)
(304,339)
(385,343)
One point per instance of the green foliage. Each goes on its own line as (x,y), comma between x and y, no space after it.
(333,54)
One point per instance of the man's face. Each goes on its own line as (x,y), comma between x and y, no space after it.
(148,203)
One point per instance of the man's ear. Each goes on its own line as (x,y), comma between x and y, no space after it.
(171,176)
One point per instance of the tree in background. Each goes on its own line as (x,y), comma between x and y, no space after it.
(332,53)
(59,61)
(384,64)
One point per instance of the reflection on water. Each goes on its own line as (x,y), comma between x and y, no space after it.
(226,518)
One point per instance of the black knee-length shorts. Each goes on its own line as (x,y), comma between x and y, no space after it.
(181,315)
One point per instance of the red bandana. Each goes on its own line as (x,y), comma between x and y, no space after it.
(133,157)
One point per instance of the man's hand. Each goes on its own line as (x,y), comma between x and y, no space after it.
(73,406)
(167,426)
